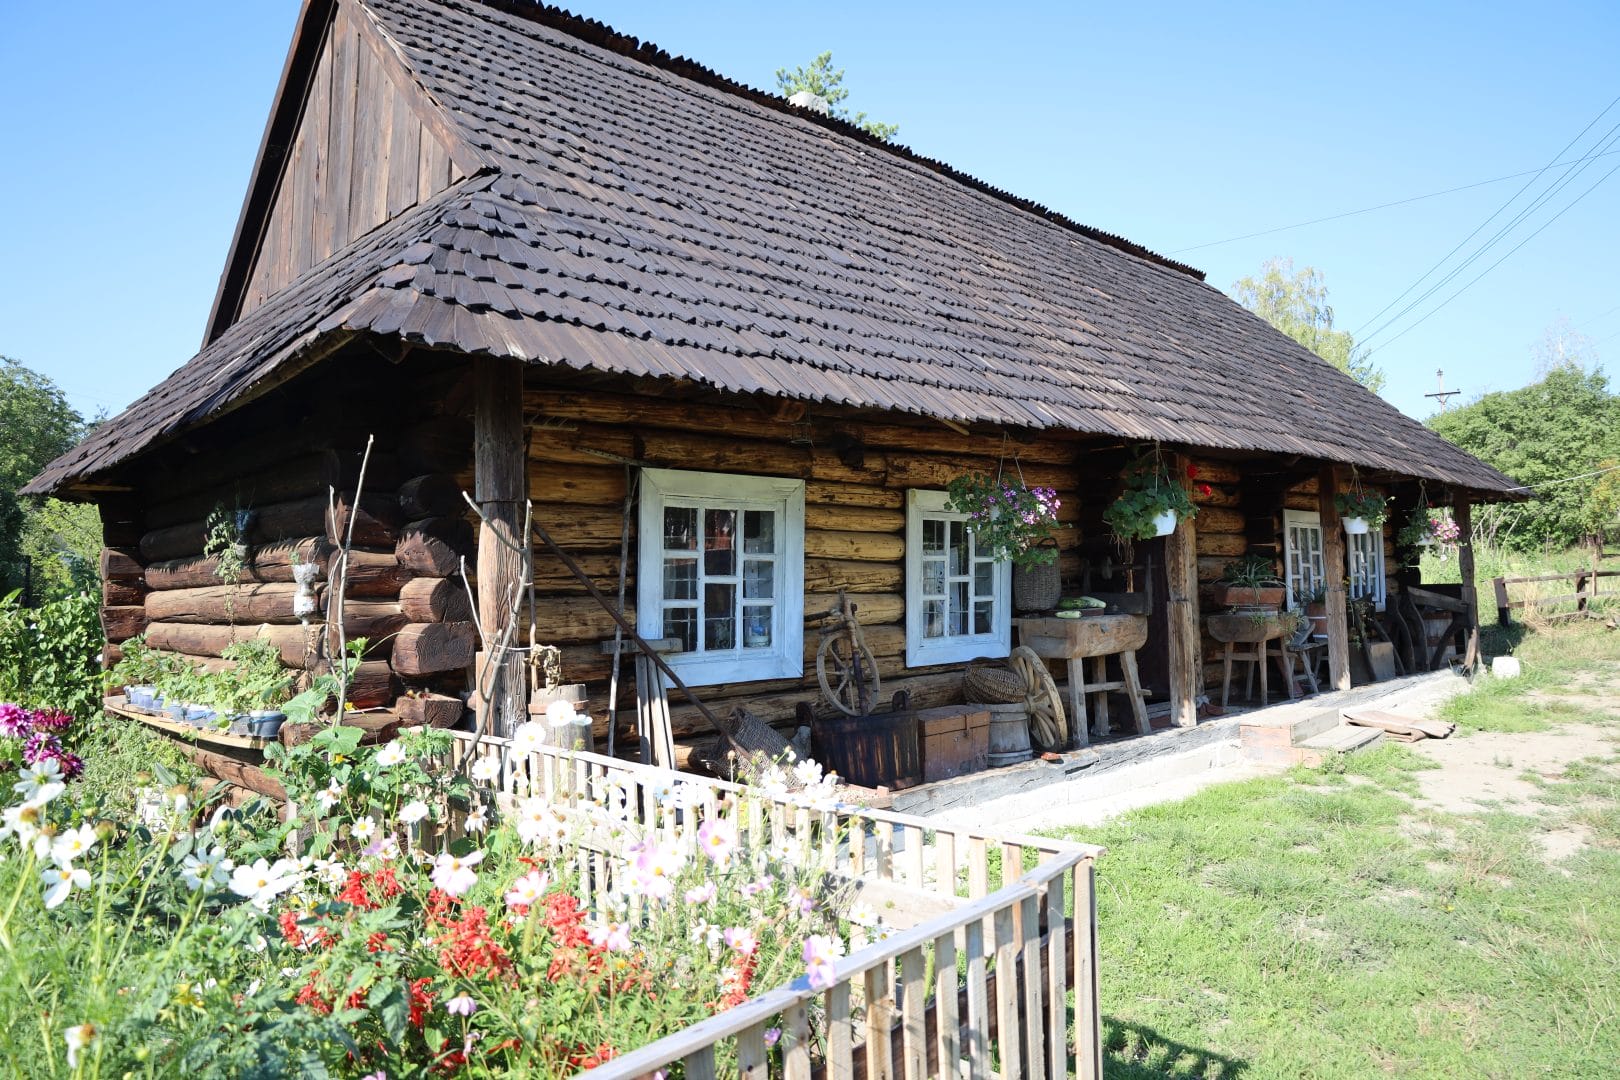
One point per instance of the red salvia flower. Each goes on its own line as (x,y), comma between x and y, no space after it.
(289,929)
(421,1001)
(354,892)
(378,942)
(310,995)
(467,949)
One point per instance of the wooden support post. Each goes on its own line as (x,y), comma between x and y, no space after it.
(1463,514)
(1181,576)
(1334,573)
(501,480)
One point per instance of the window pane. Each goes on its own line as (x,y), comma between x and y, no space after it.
(756,627)
(680,579)
(680,528)
(933,618)
(719,543)
(933,531)
(759,579)
(959,609)
(759,535)
(984,577)
(959,548)
(933,577)
(984,616)
(719,616)
(681,622)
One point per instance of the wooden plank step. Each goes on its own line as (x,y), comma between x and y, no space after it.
(1343,739)
(1395,724)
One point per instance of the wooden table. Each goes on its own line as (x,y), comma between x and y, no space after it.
(1093,637)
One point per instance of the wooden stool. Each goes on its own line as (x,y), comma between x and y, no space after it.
(1255,654)
(1309,655)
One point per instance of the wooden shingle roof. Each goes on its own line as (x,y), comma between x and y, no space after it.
(632,215)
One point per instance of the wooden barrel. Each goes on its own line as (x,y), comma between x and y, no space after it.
(871,751)
(1009,734)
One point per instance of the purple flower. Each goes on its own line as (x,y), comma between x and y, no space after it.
(52,720)
(16,722)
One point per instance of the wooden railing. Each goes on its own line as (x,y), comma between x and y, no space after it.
(1586,582)
(978,969)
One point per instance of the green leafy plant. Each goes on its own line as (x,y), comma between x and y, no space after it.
(224,540)
(49,655)
(1251,572)
(1009,520)
(1149,492)
(325,688)
(1359,503)
(258,681)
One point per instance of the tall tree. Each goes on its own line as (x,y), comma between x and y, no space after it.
(1297,304)
(36,425)
(1551,436)
(821,80)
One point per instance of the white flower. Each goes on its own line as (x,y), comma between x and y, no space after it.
(453,874)
(701,894)
(475,821)
(79,1037)
(461,1005)
(389,756)
(614,937)
(59,881)
(527,890)
(328,797)
(486,768)
(528,737)
(651,870)
(209,869)
(538,824)
(34,778)
(862,914)
(560,713)
(364,829)
(332,873)
(263,882)
(413,811)
(807,773)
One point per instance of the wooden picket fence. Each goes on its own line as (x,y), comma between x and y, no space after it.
(975,976)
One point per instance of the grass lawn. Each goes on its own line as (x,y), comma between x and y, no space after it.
(1333,923)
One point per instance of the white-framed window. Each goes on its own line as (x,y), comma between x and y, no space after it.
(1302,554)
(1363,552)
(721,569)
(957,600)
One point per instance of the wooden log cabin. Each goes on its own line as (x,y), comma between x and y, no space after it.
(524,257)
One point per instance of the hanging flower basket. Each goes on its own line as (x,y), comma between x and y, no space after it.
(1037,586)
(1010,521)
(1355,526)
(1153,501)
(1361,511)
(1165,523)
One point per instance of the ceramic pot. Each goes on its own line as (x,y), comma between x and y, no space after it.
(1355,526)
(1165,523)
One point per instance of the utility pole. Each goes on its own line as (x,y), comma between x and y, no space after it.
(1442,393)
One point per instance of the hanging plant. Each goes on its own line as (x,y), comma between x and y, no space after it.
(1010,521)
(1418,531)
(1151,495)
(1360,505)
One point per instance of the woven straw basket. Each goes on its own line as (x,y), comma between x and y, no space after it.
(986,682)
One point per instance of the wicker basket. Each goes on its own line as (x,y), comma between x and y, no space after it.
(988,683)
(1037,588)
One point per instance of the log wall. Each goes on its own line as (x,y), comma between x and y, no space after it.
(856,473)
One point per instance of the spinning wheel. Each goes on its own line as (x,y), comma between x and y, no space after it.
(845,667)
(1047,724)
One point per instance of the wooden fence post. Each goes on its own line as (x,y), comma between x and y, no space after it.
(501,485)
(1333,572)
(1181,576)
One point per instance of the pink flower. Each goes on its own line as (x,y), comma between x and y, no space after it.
(718,839)
(820,959)
(453,874)
(772,1036)
(527,890)
(614,937)
(741,939)
(701,894)
(461,1005)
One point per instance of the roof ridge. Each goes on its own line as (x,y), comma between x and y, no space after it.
(600,34)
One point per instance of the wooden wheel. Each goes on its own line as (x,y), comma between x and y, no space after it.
(848,674)
(1048,725)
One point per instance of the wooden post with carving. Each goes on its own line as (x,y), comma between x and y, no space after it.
(1181,575)
(500,488)
(1462,512)
(1334,573)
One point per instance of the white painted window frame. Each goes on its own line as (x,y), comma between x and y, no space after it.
(1299,519)
(1310,519)
(785,658)
(921,651)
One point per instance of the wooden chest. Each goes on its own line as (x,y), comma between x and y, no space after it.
(954,740)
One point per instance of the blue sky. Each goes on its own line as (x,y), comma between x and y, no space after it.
(129,132)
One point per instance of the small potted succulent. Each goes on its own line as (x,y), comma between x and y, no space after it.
(1151,504)
(1361,511)
(1013,522)
(1250,582)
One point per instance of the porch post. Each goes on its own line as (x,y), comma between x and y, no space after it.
(1462,512)
(1181,576)
(1334,572)
(500,487)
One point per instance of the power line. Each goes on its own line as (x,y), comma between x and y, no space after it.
(1380,206)
(1494,215)
(1432,311)
(1611,136)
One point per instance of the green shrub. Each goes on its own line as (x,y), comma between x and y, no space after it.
(50,655)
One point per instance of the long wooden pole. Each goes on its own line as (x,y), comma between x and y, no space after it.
(1181,576)
(624,624)
(1334,573)
(500,482)
(1463,514)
